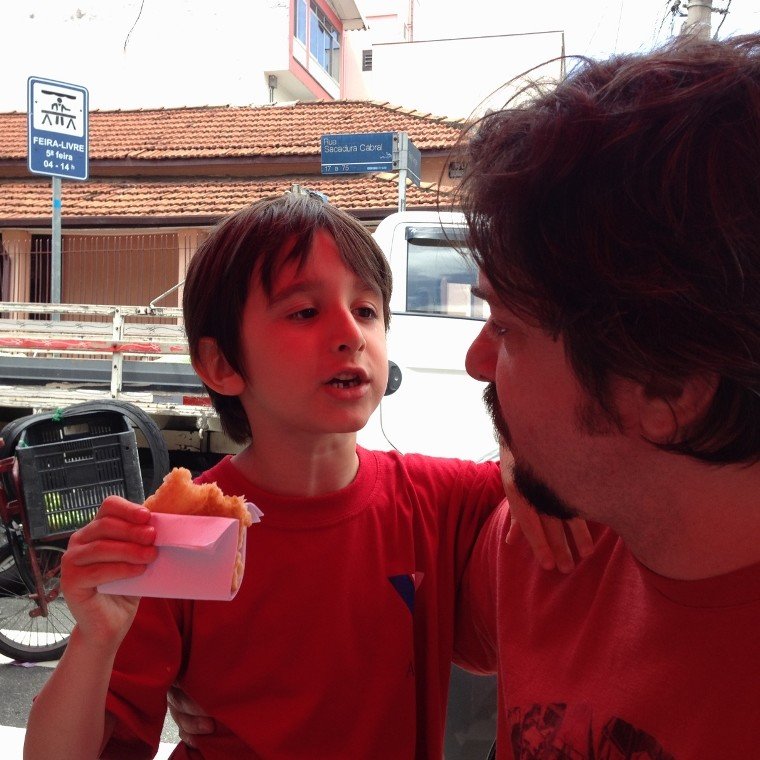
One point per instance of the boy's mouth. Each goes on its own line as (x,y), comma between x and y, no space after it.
(345,381)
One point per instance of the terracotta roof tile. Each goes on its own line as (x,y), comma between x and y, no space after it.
(31,199)
(292,129)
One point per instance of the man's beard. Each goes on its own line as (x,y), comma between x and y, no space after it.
(541,497)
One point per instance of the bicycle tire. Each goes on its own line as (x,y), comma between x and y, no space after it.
(32,637)
(27,636)
(9,575)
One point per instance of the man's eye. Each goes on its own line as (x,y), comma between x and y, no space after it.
(303,314)
(496,329)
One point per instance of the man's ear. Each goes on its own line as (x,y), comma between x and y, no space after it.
(215,371)
(668,409)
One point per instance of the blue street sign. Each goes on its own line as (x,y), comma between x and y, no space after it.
(359,153)
(57,116)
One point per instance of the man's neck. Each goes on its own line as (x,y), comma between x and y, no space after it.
(704,523)
(305,467)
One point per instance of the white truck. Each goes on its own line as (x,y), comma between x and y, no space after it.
(54,355)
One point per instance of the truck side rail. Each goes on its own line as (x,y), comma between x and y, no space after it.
(122,331)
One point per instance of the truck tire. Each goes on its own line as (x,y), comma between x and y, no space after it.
(154,473)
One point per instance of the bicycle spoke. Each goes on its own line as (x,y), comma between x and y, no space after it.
(27,636)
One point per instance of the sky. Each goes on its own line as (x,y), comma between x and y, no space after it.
(596,28)
(83,41)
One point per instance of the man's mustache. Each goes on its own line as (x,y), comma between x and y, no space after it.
(491,400)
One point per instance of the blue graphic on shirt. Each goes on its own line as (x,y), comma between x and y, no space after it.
(404,584)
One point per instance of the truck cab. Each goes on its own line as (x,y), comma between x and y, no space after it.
(437,408)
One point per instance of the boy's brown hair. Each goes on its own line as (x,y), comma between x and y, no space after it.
(253,240)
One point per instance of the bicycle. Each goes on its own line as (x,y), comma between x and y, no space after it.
(55,470)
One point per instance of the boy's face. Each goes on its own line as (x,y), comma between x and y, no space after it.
(314,353)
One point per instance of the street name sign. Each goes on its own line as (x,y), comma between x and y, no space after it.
(358,153)
(57,128)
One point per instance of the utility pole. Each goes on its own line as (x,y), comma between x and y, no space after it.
(698,18)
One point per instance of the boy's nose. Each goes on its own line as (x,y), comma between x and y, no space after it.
(480,361)
(349,336)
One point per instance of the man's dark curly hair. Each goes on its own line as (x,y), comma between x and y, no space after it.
(621,210)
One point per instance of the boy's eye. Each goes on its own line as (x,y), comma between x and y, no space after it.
(366,312)
(309,313)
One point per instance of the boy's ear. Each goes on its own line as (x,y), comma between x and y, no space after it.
(215,371)
(665,412)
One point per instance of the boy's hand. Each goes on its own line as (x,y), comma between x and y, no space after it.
(547,536)
(117,543)
(189,717)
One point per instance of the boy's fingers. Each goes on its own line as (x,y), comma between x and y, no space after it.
(91,576)
(116,506)
(514,533)
(188,716)
(109,551)
(584,543)
(116,529)
(527,522)
(556,537)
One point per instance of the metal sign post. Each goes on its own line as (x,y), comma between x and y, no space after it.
(57,121)
(55,254)
(409,165)
(402,143)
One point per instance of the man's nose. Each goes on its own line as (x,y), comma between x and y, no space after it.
(480,361)
(348,335)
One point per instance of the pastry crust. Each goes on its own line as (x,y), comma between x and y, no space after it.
(179,495)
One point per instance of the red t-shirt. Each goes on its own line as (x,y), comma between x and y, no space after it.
(612,660)
(339,642)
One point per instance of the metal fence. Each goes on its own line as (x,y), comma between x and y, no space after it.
(124,269)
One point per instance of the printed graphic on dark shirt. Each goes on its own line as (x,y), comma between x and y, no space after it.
(556,732)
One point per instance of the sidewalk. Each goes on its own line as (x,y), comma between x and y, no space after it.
(12,738)
(12,742)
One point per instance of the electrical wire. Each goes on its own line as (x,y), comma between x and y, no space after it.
(126,40)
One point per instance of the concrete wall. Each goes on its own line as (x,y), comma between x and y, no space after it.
(457,77)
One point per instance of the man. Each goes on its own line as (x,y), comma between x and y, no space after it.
(616,224)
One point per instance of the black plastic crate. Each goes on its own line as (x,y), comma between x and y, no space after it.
(65,482)
(50,428)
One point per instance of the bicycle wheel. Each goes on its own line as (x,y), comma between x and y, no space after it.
(25,634)
(10,580)
(8,572)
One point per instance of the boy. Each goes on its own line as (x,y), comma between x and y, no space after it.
(340,640)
